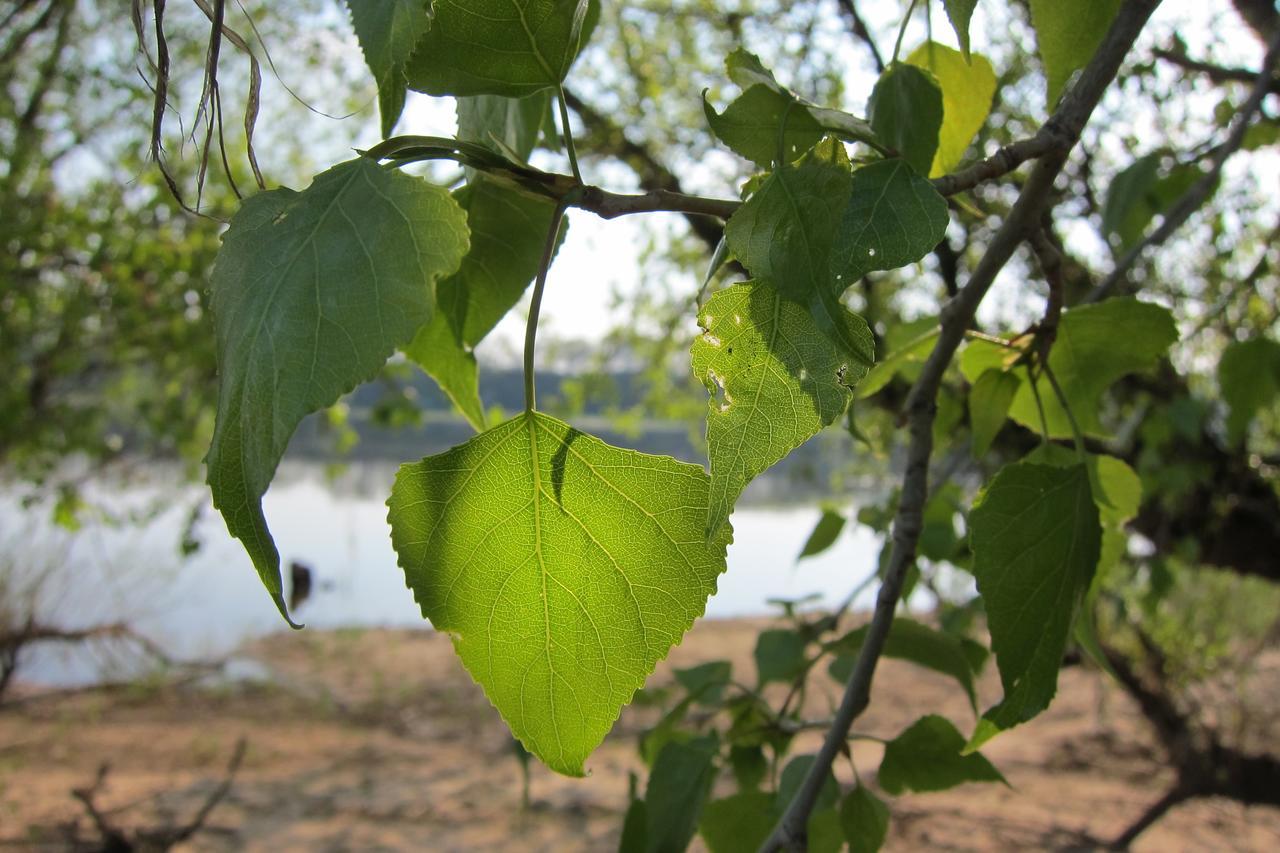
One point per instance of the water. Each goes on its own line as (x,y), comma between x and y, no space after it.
(211,603)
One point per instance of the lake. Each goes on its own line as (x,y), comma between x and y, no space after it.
(211,602)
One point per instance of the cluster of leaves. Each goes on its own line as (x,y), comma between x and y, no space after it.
(565,568)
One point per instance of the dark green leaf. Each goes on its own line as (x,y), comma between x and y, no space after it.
(989,401)
(927,757)
(678,786)
(705,682)
(1068,34)
(865,820)
(388,30)
(1249,380)
(779,655)
(894,217)
(1036,540)
(793,776)
(312,291)
(959,12)
(1139,194)
(499,47)
(564,569)
(740,822)
(509,126)
(749,766)
(906,114)
(824,534)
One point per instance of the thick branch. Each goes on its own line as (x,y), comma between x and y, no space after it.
(1200,191)
(921,408)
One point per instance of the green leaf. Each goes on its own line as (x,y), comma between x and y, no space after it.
(678,786)
(1249,380)
(775,380)
(989,401)
(752,125)
(904,358)
(959,12)
(1068,34)
(387,31)
(705,682)
(792,778)
(824,534)
(1139,194)
(564,568)
(1096,345)
(508,232)
(968,85)
(894,217)
(906,113)
(508,126)
(740,822)
(865,820)
(1036,540)
(500,47)
(910,641)
(927,757)
(312,292)
(779,655)
(749,766)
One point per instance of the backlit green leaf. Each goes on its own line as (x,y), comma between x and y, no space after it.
(508,232)
(906,113)
(499,47)
(564,568)
(312,291)
(968,85)
(865,820)
(824,534)
(775,380)
(1096,345)
(1068,34)
(388,30)
(989,401)
(1036,540)
(927,757)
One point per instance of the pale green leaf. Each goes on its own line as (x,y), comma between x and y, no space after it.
(910,641)
(906,113)
(959,13)
(989,401)
(927,757)
(388,31)
(312,291)
(1096,345)
(1249,380)
(1067,35)
(775,380)
(499,47)
(564,568)
(894,217)
(508,232)
(824,534)
(865,820)
(968,84)
(1036,539)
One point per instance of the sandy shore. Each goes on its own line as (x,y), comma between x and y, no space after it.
(378,740)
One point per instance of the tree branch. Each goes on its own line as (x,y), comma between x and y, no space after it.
(1066,125)
(1200,191)
(1216,73)
(860,30)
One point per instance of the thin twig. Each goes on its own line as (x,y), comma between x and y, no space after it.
(1216,73)
(1199,192)
(921,407)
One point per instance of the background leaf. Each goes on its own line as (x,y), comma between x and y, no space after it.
(312,291)
(959,13)
(910,641)
(1067,35)
(989,401)
(824,534)
(865,820)
(1249,380)
(779,655)
(740,822)
(678,786)
(387,31)
(905,110)
(564,568)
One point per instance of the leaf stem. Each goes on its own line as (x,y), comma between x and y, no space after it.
(535,302)
(902,31)
(1066,407)
(568,134)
